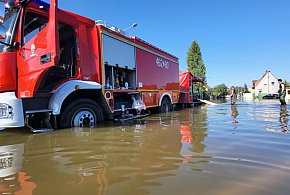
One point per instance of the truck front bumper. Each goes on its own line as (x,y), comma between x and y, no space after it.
(11,110)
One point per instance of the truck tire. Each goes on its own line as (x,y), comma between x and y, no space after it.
(81,113)
(165,106)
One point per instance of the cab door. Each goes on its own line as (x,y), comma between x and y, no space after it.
(40,47)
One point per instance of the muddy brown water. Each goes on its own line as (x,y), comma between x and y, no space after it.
(219,149)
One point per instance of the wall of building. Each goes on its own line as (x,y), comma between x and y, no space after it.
(248,96)
(287,94)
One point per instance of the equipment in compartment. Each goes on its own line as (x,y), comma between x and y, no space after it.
(129,105)
(120,78)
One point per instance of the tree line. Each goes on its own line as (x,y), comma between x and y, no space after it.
(196,65)
(222,90)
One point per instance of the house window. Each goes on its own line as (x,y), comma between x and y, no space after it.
(273,83)
(260,90)
(288,92)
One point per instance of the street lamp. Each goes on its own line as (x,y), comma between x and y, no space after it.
(132,26)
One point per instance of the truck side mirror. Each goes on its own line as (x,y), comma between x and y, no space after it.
(2,32)
(9,4)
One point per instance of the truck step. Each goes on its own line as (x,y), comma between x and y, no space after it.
(38,121)
(38,111)
(132,117)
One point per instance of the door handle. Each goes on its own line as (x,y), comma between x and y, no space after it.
(45,58)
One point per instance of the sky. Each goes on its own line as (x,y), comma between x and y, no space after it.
(239,39)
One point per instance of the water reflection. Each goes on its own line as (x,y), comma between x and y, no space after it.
(234,114)
(108,159)
(274,114)
(199,126)
(190,150)
(12,178)
(284,118)
(193,130)
(186,139)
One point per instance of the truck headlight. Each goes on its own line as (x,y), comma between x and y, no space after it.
(6,111)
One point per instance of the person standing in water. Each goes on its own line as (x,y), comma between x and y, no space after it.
(233,95)
(282,92)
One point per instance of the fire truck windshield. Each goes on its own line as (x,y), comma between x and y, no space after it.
(8,22)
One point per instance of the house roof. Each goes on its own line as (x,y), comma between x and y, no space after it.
(256,82)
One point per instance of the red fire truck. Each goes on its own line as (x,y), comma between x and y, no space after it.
(60,69)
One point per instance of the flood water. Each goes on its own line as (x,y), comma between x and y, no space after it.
(219,149)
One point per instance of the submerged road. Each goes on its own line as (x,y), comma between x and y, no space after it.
(209,149)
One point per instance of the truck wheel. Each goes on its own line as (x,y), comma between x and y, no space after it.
(81,113)
(165,106)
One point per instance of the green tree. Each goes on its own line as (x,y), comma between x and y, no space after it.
(239,89)
(287,84)
(195,64)
(220,90)
(246,90)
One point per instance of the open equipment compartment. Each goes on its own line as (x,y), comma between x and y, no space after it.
(119,59)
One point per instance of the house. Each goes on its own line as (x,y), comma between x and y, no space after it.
(267,84)
(287,94)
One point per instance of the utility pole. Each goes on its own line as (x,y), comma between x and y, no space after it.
(268,83)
